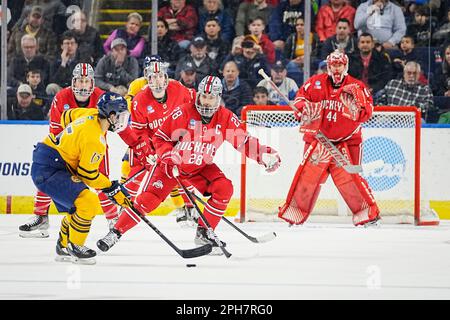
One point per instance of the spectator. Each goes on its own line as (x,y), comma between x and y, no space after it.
(40,97)
(343,40)
(33,25)
(188,76)
(330,14)
(287,86)
(282,21)
(441,81)
(443,32)
(22,107)
(383,19)
(168,49)
(248,60)
(249,11)
(294,50)
(28,59)
(261,97)
(53,11)
(322,68)
(115,71)
(182,20)
(422,27)
(400,57)
(262,41)
(370,66)
(217,47)
(409,92)
(213,9)
(135,42)
(88,38)
(203,64)
(62,68)
(236,92)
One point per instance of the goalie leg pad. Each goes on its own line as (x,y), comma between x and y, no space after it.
(212,182)
(355,191)
(306,185)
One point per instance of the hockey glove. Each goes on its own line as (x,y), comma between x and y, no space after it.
(118,194)
(270,159)
(169,160)
(143,151)
(354,99)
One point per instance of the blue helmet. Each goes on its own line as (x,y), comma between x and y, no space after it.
(113,103)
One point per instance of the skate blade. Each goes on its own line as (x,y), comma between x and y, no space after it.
(34,234)
(85,261)
(63,259)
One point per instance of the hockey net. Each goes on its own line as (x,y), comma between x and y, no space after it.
(392,135)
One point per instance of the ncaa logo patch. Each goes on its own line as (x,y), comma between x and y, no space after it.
(66,107)
(317,85)
(192,124)
(150,109)
(393,171)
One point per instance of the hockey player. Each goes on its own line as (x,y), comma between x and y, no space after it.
(66,165)
(149,108)
(335,104)
(81,94)
(189,140)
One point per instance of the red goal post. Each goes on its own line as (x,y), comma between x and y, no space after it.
(393,134)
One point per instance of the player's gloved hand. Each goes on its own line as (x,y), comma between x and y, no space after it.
(270,159)
(118,194)
(353,98)
(142,150)
(169,160)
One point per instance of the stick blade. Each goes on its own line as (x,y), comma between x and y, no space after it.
(266,238)
(350,168)
(196,252)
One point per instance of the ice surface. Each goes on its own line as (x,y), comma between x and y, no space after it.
(314,261)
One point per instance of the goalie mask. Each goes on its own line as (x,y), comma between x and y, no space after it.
(155,71)
(114,108)
(83,81)
(209,95)
(337,66)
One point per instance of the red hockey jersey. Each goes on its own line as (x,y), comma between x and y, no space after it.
(334,125)
(147,114)
(65,100)
(196,142)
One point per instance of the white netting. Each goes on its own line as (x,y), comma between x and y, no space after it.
(388,135)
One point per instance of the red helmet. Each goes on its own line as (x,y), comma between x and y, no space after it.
(337,57)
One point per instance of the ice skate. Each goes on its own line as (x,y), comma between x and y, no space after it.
(186,217)
(375,223)
(112,222)
(203,237)
(62,255)
(108,241)
(81,254)
(36,227)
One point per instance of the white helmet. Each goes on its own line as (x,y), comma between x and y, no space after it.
(210,85)
(154,66)
(83,70)
(337,57)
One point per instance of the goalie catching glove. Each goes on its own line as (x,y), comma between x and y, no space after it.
(354,99)
(118,194)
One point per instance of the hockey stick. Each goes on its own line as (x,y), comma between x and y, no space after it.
(210,230)
(326,143)
(131,179)
(184,253)
(265,238)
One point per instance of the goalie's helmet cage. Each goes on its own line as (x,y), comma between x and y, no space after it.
(113,103)
(210,85)
(155,71)
(83,70)
(337,57)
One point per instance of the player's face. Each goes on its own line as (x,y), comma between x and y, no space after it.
(83,83)
(337,71)
(157,83)
(120,121)
(208,100)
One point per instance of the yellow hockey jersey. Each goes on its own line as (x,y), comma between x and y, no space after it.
(82,145)
(135,86)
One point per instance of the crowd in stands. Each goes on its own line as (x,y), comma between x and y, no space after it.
(399,48)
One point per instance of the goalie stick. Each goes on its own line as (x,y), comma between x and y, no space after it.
(265,238)
(176,175)
(341,160)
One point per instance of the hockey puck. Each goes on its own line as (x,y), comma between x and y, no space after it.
(191,265)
